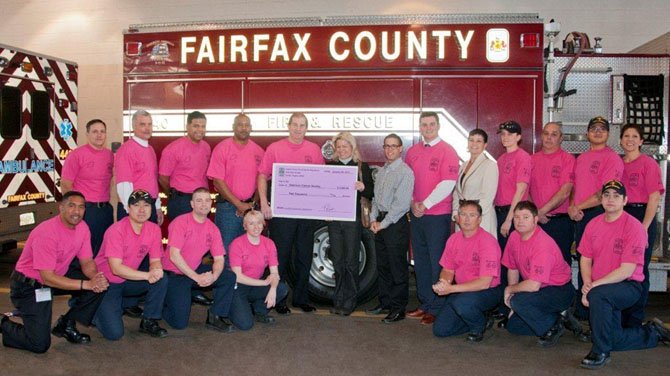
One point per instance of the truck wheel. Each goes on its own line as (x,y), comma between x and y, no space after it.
(322,279)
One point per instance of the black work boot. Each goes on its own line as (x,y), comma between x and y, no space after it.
(151,327)
(68,329)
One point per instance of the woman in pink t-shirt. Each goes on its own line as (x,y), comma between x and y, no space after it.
(250,254)
(642,179)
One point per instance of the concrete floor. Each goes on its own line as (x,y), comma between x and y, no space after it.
(317,344)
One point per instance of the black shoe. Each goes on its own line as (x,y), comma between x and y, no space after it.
(201,299)
(3,317)
(502,324)
(570,322)
(151,327)
(595,360)
(134,312)
(283,310)
(551,337)
(264,319)
(67,328)
(222,324)
(497,315)
(661,330)
(584,336)
(307,308)
(475,337)
(378,310)
(489,322)
(394,317)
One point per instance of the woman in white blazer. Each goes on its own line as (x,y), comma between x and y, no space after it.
(478,180)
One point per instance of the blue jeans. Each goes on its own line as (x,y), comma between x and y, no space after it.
(607,332)
(98,220)
(429,235)
(247,297)
(536,312)
(229,224)
(109,318)
(178,205)
(634,315)
(177,310)
(562,230)
(466,312)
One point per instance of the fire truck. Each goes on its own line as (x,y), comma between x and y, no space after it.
(38,127)
(370,75)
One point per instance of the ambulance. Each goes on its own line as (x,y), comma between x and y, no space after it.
(38,128)
(370,75)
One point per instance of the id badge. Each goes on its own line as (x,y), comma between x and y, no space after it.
(43,294)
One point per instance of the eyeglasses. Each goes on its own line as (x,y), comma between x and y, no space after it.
(598,129)
(391,146)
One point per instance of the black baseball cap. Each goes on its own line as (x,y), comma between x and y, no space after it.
(140,195)
(599,120)
(510,126)
(615,185)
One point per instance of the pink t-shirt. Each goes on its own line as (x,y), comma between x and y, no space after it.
(186,164)
(538,259)
(253,259)
(431,165)
(137,164)
(611,244)
(642,177)
(283,151)
(237,165)
(513,168)
(90,170)
(549,172)
(473,257)
(122,242)
(53,246)
(193,239)
(593,169)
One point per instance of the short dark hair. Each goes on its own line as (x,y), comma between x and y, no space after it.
(94,121)
(526,205)
(473,203)
(479,132)
(632,126)
(195,115)
(69,194)
(426,114)
(393,135)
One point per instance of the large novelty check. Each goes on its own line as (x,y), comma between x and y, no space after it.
(314,191)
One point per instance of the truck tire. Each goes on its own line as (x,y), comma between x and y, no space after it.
(322,281)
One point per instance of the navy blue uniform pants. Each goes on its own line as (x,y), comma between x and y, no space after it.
(536,312)
(429,236)
(466,312)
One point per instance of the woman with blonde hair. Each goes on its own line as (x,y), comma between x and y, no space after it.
(345,237)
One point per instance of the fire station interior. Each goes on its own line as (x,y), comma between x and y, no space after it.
(91,35)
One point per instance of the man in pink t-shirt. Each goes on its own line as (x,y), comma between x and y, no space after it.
(470,278)
(539,288)
(290,233)
(234,170)
(183,165)
(190,237)
(42,270)
(136,167)
(435,167)
(592,169)
(88,169)
(126,244)
(551,179)
(612,250)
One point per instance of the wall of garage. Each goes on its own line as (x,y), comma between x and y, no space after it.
(90,31)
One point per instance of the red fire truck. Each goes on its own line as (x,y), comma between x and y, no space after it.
(38,127)
(371,75)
